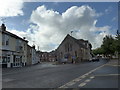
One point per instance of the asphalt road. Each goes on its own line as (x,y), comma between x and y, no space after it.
(100,74)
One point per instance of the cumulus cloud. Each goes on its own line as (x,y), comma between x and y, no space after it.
(50,27)
(9,8)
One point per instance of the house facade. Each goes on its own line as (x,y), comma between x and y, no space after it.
(32,55)
(35,57)
(29,55)
(14,49)
(52,56)
(73,49)
(44,56)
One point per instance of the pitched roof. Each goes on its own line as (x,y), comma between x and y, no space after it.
(80,42)
(13,35)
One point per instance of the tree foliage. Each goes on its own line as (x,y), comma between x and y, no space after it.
(117,41)
(109,46)
(97,51)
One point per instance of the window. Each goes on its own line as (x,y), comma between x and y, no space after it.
(7,42)
(4,59)
(70,47)
(65,47)
(75,53)
(3,39)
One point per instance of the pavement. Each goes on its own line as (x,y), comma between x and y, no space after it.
(102,74)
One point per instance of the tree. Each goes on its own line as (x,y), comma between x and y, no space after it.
(117,44)
(108,45)
(118,41)
(97,51)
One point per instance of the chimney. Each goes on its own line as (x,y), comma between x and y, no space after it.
(33,46)
(3,27)
(24,38)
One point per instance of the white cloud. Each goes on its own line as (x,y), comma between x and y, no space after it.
(18,33)
(114,19)
(10,8)
(51,27)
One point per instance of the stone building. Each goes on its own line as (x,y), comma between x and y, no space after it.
(73,49)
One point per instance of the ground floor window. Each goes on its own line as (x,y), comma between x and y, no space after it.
(6,59)
(17,61)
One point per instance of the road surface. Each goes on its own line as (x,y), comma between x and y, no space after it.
(102,74)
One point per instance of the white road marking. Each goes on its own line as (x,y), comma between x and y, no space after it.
(76,80)
(7,80)
(88,80)
(62,86)
(82,84)
(113,65)
(81,77)
(70,83)
(86,74)
(108,75)
(92,77)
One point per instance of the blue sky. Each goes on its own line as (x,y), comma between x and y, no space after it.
(22,22)
(108,14)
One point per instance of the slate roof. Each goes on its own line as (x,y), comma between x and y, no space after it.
(82,43)
(12,35)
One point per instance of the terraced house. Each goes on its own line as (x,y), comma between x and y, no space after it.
(74,49)
(14,49)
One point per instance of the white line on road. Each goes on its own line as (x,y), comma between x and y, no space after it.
(92,77)
(108,75)
(82,84)
(83,76)
(7,80)
(113,65)
(70,83)
(76,80)
(88,80)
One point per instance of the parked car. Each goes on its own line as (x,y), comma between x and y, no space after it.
(64,60)
(94,59)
